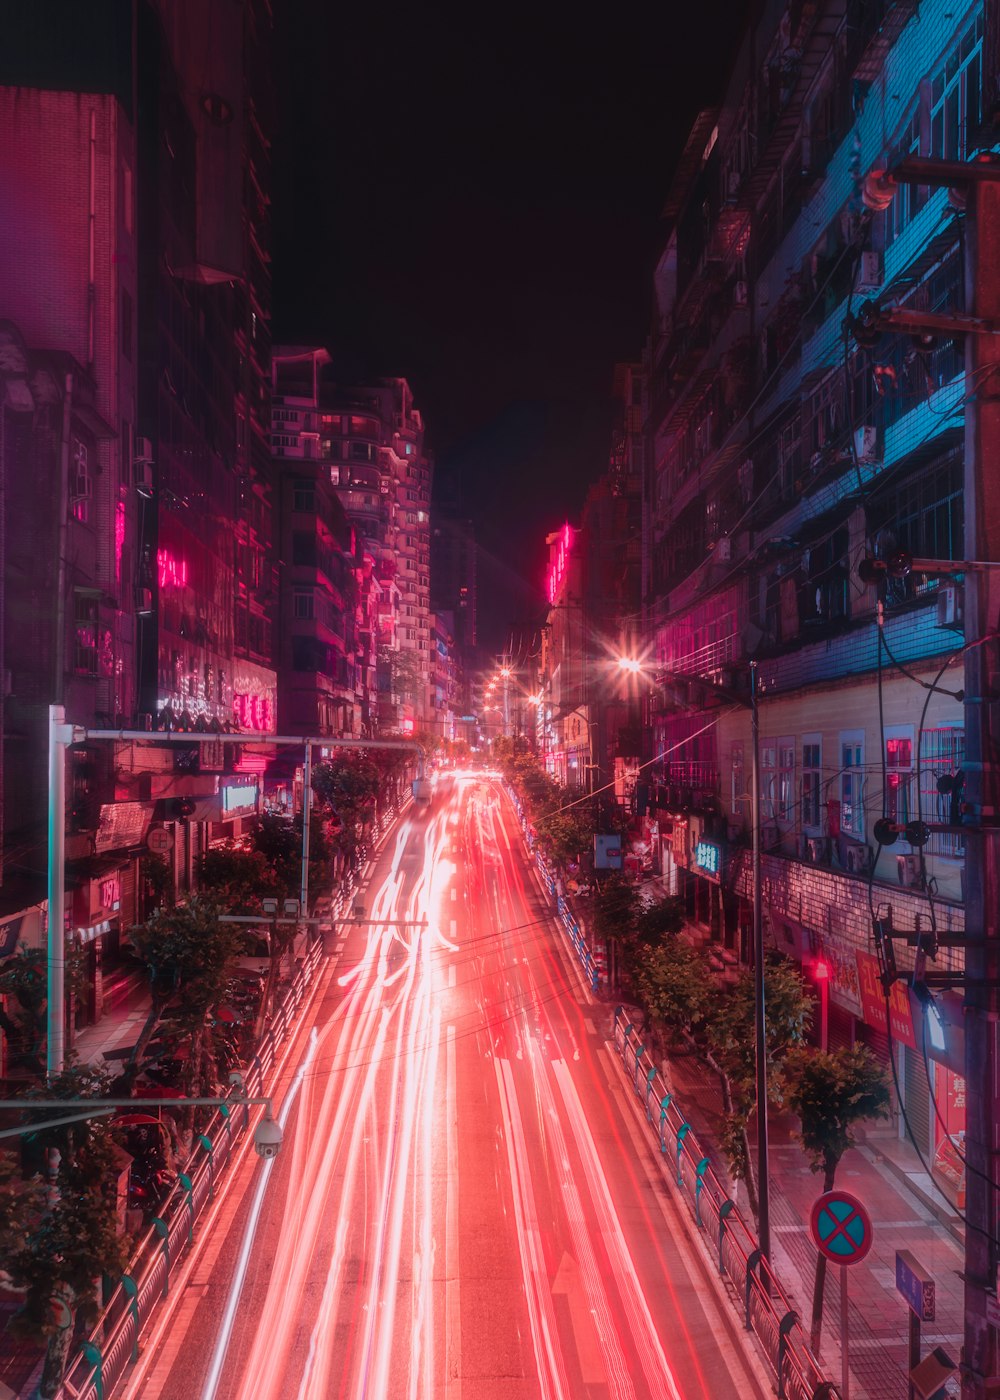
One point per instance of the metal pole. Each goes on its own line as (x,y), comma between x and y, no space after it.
(306,808)
(845,1364)
(760,1027)
(56,1012)
(914,1350)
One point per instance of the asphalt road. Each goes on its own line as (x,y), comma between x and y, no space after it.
(465,1205)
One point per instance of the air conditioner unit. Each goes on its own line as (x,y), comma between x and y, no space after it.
(908,872)
(858,860)
(144,479)
(724,549)
(817,849)
(950,609)
(866,443)
(143,601)
(869,272)
(143,451)
(741,294)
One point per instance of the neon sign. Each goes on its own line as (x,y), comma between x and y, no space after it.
(559,564)
(708,857)
(173,572)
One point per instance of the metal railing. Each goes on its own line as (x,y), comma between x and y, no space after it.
(726,1236)
(113,1343)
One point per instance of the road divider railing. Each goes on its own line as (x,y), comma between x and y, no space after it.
(726,1236)
(591,958)
(113,1344)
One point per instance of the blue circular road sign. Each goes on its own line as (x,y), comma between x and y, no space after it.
(841,1227)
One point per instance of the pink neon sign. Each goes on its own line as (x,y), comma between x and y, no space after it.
(559,564)
(173,572)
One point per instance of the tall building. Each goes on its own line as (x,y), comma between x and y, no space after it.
(370,438)
(796,455)
(134,288)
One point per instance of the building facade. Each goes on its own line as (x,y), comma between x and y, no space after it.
(795,453)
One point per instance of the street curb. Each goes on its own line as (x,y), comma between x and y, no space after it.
(951,1223)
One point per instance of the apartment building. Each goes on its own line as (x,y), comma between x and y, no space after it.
(789,443)
(370,439)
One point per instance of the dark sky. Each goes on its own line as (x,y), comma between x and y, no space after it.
(470,198)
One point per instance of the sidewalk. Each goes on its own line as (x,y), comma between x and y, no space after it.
(887,1177)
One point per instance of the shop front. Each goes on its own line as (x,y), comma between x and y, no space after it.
(96,936)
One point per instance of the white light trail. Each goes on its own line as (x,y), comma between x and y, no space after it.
(236,1287)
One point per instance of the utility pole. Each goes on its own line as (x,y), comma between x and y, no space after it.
(759,984)
(982,734)
(979,181)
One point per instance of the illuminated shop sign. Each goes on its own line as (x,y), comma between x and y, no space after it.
(560,563)
(708,859)
(238,800)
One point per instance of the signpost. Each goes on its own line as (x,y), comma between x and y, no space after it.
(917,1287)
(842,1231)
(159,840)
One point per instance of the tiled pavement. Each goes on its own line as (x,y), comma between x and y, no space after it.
(878,1317)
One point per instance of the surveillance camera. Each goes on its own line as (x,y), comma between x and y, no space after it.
(267,1138)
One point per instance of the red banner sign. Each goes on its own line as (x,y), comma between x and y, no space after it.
(900,1021)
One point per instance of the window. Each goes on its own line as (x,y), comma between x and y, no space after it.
(738,786)
(785,804)
(942,754)
(80,486)
(852,780)
(898,773)
(303,604)
(812,781)
(304,496)
(956,96)
(85,634)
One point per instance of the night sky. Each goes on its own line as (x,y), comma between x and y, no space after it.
(471,199)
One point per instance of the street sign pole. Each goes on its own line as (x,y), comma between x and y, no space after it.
(914,1351)
(841,1230)
(845,1365)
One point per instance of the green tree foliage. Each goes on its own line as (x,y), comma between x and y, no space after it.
(658,919)
(831,1092)
(731,1042)
(159,879)
(279,841)
(72,1238)
(563,835)
(23,980)
(188,955)
(673,983)
(349,785)
(238,879)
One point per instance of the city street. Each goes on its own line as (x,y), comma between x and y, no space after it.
(463,1204)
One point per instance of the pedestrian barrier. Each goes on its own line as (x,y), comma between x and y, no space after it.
(727,1237)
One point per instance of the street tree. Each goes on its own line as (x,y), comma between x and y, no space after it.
(349,785)
(673,984)
(563,835)
(238,879)
(730,1050)
(614,917)
(831,1092)
(188,954)
(658,919)
(24,985)
(71,1235)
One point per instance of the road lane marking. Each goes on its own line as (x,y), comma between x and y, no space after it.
(654,1362)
